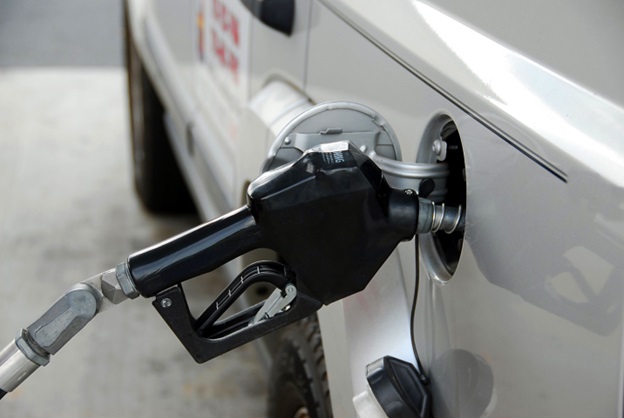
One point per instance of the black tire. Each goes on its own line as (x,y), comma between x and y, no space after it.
(157,177)
(298,384)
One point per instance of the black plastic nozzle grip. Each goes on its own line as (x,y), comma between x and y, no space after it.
(194,252)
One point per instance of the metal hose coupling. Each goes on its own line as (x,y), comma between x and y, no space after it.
(434,218)
(35,344)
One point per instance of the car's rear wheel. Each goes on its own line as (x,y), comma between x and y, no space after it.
(157,177)
(298,387)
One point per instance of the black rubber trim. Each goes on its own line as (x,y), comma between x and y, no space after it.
(2,393)
(276,14)
(527,152)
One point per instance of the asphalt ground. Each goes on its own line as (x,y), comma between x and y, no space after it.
(68,211)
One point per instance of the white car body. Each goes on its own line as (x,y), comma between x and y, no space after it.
(535,90)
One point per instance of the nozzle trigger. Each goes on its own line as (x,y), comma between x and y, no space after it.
(209,336)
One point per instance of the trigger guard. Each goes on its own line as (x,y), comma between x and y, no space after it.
(206,338)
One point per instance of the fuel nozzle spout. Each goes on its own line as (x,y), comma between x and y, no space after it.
(435,218)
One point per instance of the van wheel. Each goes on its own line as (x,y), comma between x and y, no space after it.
(157,177)
(298,384)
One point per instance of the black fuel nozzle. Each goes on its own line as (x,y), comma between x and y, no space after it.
(332,218)
(330,215)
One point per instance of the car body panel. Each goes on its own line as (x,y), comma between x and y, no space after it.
(520,174)
(276,56)
(168,60)
(530,324)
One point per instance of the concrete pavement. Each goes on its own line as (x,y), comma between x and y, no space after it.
(68,211)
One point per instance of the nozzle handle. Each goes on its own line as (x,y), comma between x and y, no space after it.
(194,252)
